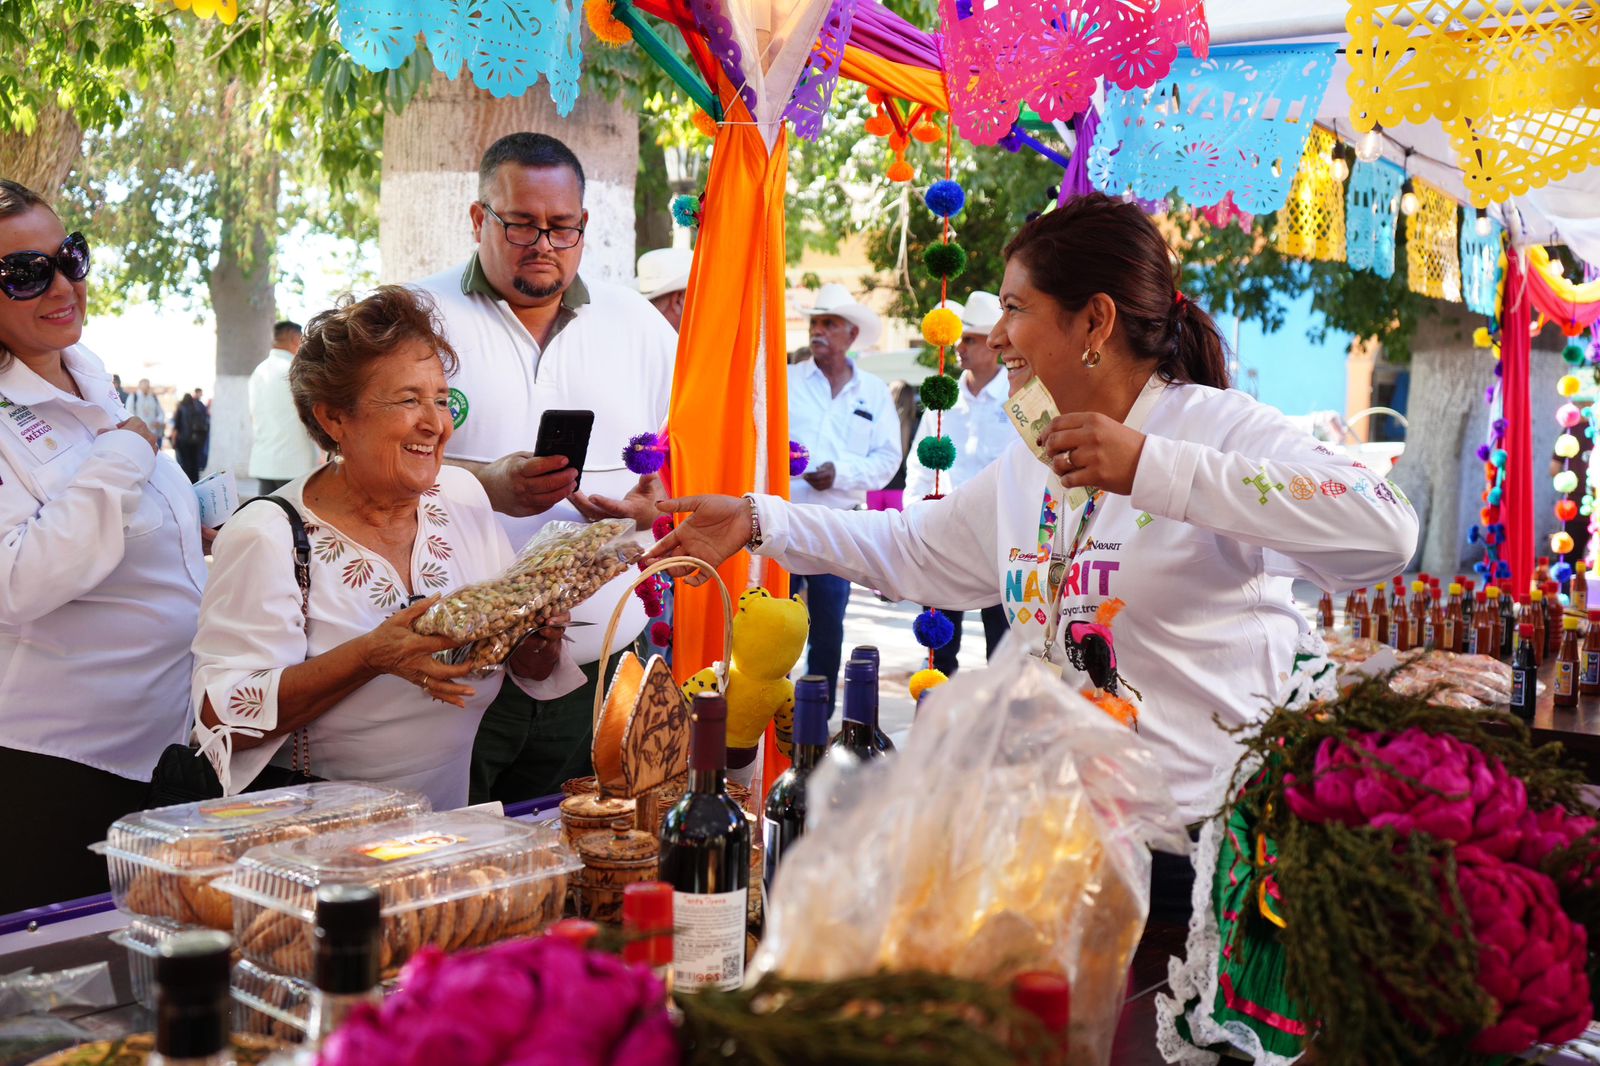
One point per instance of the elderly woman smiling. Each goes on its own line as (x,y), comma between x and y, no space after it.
(390,528)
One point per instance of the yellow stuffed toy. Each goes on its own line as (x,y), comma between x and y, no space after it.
(768,636)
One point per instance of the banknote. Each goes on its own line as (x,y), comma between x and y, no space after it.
(1031,411)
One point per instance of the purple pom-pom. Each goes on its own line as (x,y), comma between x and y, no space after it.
(799,458)
(1499,370)
(1488,395)
(932,629)
(645,454)
(1483,453)
(1500,426)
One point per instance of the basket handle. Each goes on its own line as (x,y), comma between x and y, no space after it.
(616,617)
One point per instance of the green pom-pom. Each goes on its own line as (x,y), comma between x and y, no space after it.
(936,453)
(944,260)
(939,392)
(1573,354)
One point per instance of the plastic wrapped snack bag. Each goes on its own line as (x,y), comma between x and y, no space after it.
(562,566)
(1011,833)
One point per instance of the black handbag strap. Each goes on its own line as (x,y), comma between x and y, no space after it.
(302,547)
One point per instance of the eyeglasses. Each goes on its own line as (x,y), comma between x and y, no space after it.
(559,237)
(26,275)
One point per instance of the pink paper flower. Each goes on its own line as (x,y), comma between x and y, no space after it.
(543,1002)
(1554,829)
(1531,956)
(1464,796)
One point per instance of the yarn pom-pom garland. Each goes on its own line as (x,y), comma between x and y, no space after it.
(945,198)
(1561,573)
(604,24)
(645,453)
(939,392)
(945,259)
(661,634)
(1573,354)
(936,453)
(799,458)
(686,210)
(941,327)
(932,629)
(900,171)
(705,124)
(923,680)
(661,526)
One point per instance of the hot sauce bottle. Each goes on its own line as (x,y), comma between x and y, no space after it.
(1541,570)
(1508,621)
(1589,683)
(1325,611)
(1380,614)
(1531,612)
(1553,613)
(1580,587)
(1433,627)
(1567,668)
(1419,614)
(1469,609)
(1483,628)
(1350,612)
(1361,624)
(1492,606)
(1400,627)
(1454,638)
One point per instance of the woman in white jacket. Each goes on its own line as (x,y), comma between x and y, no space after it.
(1206,506)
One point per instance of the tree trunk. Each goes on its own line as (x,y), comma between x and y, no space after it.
(1447,419)
(652,196)
(430,174)
(242,300)
(42,160)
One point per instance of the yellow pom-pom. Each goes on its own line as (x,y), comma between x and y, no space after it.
(605,25)
(923,680)
(1560,543)
(705,124)
(900,170)
(941,327)
(1480,337)
(1568,385)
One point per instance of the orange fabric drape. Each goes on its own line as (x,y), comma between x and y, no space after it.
(738,261)
(899,80)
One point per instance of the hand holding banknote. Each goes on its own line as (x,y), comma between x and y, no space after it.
(1088,451)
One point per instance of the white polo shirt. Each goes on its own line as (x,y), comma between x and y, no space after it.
(858,431)
(977,425)
(280,447)
(101,570)
(612,354)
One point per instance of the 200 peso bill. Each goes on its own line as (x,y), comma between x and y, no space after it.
(1031,411)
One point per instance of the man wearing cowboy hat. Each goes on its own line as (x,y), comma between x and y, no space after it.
(846,419)
(977,425)
(664,279)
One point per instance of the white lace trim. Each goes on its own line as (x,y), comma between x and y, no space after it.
(1194,977)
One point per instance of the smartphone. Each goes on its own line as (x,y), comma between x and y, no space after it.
(566,433)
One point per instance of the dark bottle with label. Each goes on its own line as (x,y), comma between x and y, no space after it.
(705,857)
(1589,682)
(786,802)
(1524,674)
(868,653)
(193,1009)
(346,945)
(860,697)
(1569,665)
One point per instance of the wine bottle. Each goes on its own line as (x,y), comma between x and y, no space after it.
(347,941)
(705,857)
(786,802)
(192,1004)
(860,696)
(868,653)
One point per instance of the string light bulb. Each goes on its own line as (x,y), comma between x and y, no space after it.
(1341,165)
(1408,200)
(1482,226)
(1370,146)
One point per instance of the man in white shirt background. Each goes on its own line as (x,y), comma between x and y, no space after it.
(534,335)
(280,448)
(664,280)
(847,420)
(977,425)
(146,406)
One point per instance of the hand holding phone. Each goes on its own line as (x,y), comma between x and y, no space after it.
(566,433)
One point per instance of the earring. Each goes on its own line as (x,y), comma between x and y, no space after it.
(1091,357)
(338,457)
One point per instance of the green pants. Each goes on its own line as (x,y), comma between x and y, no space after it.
(526,748)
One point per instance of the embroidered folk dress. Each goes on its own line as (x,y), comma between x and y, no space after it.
(1231,502)
(388,731)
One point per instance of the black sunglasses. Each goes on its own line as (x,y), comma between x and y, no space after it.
(26,275)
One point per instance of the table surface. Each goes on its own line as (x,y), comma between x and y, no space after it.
(1575,728)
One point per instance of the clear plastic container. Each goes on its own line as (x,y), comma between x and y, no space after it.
(454,879)
(142,937)
(162,861)
(269,1004)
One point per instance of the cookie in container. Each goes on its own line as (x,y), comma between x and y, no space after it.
(455,879)
(162,862)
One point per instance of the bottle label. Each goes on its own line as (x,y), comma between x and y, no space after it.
(1591,668)
(1427,633)
(1450,634)
(1566,678)
(1519,681)
(1580,597)
(708,941)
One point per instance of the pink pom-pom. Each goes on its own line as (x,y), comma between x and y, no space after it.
(645,453)
(661,635)
(799,458)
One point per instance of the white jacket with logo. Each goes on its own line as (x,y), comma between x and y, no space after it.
(1230,503)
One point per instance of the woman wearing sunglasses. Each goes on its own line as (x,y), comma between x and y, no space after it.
(101,570)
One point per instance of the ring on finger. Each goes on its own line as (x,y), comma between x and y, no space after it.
(1067,455)
(424,683)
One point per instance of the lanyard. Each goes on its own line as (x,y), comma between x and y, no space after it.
(1136,418)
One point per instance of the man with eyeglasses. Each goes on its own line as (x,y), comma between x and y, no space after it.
(534,333)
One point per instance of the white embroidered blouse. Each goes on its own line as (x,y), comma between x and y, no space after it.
(388,731)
